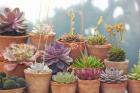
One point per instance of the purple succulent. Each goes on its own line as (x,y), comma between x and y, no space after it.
(57,57)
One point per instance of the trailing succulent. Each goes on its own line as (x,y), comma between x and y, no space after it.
(11,82)
(12,22)
(57,57)
(112,75)
(64,78)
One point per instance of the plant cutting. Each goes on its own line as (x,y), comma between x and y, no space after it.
(73,40)
(12,27)
(38,77)
(97,44)
(63,82)
(11,84)
(113,81)
(116,56)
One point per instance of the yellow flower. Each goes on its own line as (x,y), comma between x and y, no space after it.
(119,27)
(109,29)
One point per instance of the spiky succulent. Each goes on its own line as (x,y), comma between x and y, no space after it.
(88,73)
(116,54)
(12,22)
(64,78)
(57,57)
(112,75)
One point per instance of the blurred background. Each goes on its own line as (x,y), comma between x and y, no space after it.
(87,14)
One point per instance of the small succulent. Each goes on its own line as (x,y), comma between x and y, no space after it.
(88,73)
(116,54)
(88,62)
(64,78)
(135,72)
(12,22)
(112,75)
(57,57)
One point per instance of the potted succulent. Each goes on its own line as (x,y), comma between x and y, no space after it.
(97,44)
(116,56)
(12,27)
(113,81)
(38,77)
(11,84)
(73,40)
(63,82)
(42,34)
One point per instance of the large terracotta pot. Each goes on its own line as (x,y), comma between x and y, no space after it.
(43,39)
(5,41)
(38,82)
(100,51)
(123,65)
(88,86)
(133,86)
(113,88)
(18,90)
(63,88)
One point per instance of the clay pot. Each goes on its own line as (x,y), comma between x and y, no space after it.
(18,90)
(133,86)
(113,88)
(5,41)
(123,65)
(88,86)
(38,83)
(43,40)
(100,51)
(63,88)
(1,66)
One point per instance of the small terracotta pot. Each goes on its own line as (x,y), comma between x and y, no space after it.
(113,88)
(1,66)
(88,86)
(38,83)
(63,88)
(43,40)
(100,51)
(18,90)
(133,86)
(5,41)
(123,65)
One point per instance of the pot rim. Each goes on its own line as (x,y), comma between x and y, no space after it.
(13,89)
(31,35)
(82,42)
(106,45)
(25,36)
(125,61)
(132,80)
(37,74)
(62,84)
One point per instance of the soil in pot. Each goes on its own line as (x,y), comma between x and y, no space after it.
(133,86)
(63,88)
(18,90)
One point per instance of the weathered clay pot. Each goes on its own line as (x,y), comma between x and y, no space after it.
(88,86)
(38,83)
(1,66)
(5,41)
(43,39)
(133,86)
(100,51)
(113,88)
(123,65)
(63,88)
(18,90)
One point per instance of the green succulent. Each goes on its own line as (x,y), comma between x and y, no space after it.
(10,84)
(64,77)
(116,54)
(88,62)
(21,82)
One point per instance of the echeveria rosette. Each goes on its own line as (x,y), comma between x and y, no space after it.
(57,57)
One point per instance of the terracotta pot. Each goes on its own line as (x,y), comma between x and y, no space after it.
(88,86)
(5,41)
(123,65)
(133,86)
(63,88)
(113,88)
(38,83)
(18,90)
(43,40)
(1,66)
(100,51)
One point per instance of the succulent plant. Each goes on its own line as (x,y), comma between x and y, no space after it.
(57,57)
(9,84)
(116,54)
(64,78)
(87,62)
(21,82)
(112,75)
(88,73)
(12,22)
